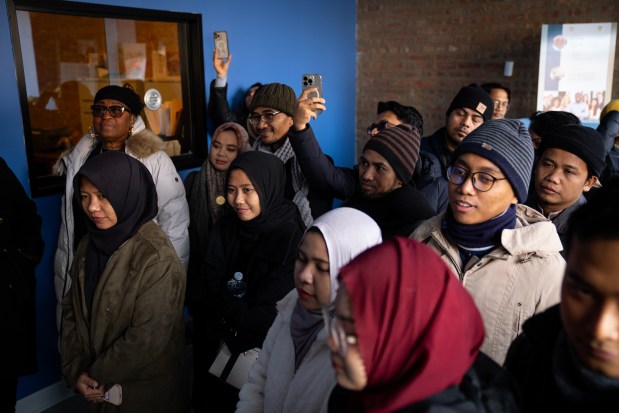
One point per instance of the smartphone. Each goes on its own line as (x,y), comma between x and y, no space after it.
(114,395)
(221,44)
(312,80)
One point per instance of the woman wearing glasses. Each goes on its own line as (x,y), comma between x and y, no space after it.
(407,338)
(293,372)
(117,126)
(504,253)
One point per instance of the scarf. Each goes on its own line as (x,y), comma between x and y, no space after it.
(576,382)
(418,329)
(128,186)
(347,232)
(299,183)
(479,237)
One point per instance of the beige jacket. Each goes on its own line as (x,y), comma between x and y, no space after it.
(518,279)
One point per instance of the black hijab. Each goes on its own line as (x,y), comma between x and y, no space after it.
(268,175)
(129,187)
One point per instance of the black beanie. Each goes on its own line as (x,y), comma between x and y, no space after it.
(121,94)
(584,142)
(400,147)
(475,98)
(276,96)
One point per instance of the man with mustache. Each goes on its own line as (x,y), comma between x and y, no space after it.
(471,107)
(571,160)
(567,358)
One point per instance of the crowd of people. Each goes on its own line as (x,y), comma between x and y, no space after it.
(469,270)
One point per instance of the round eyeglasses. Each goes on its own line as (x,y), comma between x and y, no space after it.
(482,181)
(501,104)
(340,338)
(266,117)
(116,111)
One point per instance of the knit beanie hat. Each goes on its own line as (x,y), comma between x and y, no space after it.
(584,142)
(400,147)
(275,95)
(475,98)
(507,143)
(545,122)
(122,94)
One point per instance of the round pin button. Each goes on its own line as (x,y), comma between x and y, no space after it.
(152,99)
(220,200)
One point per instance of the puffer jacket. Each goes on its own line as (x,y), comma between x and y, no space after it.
(173,215)
(519,278)
(274,385)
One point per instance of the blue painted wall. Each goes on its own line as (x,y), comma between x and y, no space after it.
(271,41)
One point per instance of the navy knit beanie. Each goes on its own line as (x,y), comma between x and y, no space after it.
(584,142)
(276,96)
(475,98)
(122,94)
(506,143)
(400,147)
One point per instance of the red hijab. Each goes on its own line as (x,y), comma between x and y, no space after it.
(418,329)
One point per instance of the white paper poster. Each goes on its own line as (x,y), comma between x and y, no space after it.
(576,68)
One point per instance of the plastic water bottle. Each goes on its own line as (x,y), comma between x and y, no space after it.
(237,285)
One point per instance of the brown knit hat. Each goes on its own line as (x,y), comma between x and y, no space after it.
(275,95)
(400,147)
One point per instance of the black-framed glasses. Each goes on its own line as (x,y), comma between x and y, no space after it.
(379,126)
(340,338)
(482,181)
(116,111)
(266,117)
(501,105)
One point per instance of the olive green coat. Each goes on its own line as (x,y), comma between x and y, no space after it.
(135,335)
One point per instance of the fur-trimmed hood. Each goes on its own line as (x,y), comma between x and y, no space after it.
(145,143)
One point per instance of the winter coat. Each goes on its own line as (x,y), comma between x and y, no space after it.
(21,248)
(517,279)
(135,334)
(274,385)
(219,108)
(173,216)
(435,145)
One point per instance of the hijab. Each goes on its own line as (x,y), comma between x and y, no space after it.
(418,329)
(268,176)
(130,189)
(347,233)
(209,185)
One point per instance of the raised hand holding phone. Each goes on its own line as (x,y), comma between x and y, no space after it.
(306,108)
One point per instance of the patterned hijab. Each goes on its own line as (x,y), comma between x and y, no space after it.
(347,233)
(418,329)
(129,187)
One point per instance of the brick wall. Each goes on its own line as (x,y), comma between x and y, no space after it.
(421,52)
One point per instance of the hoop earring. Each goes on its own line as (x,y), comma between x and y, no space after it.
(92,133)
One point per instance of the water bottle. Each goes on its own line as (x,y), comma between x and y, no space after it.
(237,285)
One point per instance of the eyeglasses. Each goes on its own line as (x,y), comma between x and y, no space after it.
(116,111)
(266,117)
(501,105)
(482,181)
(337,334)
(379,126)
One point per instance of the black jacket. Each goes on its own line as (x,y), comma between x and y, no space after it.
(396,213)
(530,359)
(435,144)
(219,109)
(21,247)
(486,388)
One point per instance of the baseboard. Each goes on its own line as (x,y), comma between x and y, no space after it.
(44,398)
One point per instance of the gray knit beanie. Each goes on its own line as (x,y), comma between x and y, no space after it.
(276,96)
(505,142)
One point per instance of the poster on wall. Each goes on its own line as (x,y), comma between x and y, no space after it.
(576,68)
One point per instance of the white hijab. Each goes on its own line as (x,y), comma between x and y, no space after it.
(347,232)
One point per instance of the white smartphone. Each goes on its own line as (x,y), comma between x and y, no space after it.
(312,80)
(221,44)
(114,395)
